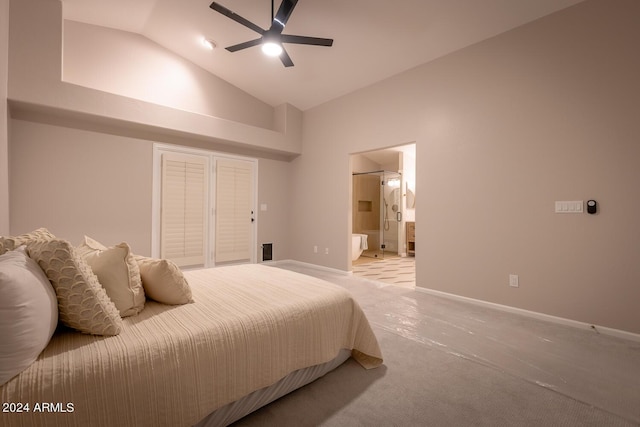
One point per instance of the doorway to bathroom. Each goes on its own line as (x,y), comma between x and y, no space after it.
(383,214)
(383,203)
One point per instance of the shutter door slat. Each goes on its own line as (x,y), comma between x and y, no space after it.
(184,187)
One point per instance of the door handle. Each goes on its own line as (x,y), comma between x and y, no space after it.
(399,216)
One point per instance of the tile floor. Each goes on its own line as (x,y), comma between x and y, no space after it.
(399,271)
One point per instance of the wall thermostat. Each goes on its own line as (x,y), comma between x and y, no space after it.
(592,206)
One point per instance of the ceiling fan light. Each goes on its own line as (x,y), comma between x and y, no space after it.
(271,49)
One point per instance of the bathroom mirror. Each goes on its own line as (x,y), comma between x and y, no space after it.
(411,199)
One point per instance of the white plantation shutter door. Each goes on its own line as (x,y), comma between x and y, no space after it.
(183,211)
(234,180)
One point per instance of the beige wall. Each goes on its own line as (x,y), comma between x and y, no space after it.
(504,128)
(4,145)
(360,163)
(131,65)
(78,182)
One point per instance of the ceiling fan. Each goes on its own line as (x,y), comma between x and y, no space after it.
(272,39)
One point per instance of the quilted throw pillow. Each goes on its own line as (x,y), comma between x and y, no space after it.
(82,302)
(163,281)
(117,272)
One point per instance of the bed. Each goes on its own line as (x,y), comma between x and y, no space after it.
(253,333)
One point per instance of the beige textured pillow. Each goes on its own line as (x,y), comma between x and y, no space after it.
(163,281)
(23,239)
(117,272)
(82,302)
(13,242)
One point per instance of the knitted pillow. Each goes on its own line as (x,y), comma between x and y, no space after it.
(13,242)
(82,302)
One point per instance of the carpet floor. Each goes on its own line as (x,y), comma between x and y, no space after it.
(452,363)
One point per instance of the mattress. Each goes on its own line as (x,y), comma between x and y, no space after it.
(249,327)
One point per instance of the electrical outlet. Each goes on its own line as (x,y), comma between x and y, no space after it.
(315,249)
(514,281)
(326,251)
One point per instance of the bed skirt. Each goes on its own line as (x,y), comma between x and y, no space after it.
(234,411)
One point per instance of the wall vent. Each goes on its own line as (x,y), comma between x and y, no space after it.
(267,251)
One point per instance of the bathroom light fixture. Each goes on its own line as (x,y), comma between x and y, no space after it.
(393,183)
(208,43)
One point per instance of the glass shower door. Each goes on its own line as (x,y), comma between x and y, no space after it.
(391,213)
(377,211)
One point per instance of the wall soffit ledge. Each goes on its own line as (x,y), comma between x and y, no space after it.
(36,92)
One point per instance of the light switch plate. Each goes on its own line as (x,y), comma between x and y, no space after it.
(570,207)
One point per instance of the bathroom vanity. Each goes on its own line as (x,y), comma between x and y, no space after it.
(411,238)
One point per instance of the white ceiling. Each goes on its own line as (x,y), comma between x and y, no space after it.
(373,39)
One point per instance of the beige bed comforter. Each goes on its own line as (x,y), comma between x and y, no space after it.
(249,326)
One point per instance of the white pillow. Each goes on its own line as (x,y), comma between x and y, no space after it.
(28,313)
(83,304)
(117,272)
(163,281)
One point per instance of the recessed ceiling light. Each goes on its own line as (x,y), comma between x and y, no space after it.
(208,43)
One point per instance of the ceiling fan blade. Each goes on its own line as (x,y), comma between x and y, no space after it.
(286,60)
(239,19)
(315,41)
(240,46)
(284,12)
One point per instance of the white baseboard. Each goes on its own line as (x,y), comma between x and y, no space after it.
(314,266)
(547,317)
(534,314)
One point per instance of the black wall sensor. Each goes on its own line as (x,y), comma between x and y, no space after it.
(592,206)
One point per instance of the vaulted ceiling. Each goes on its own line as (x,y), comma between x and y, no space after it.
(373,39)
